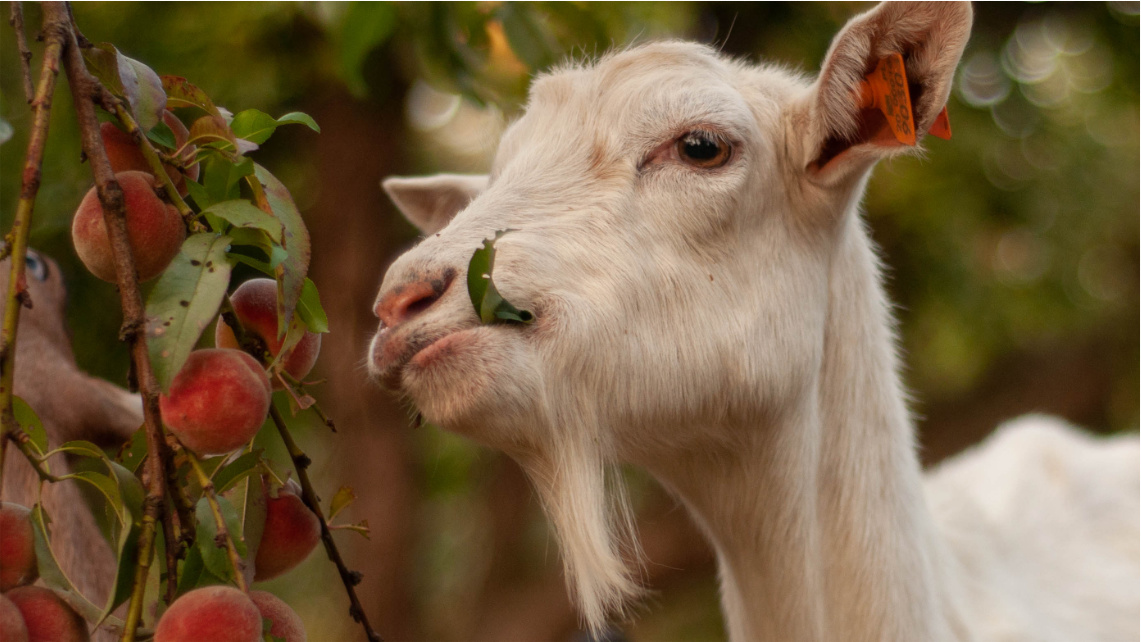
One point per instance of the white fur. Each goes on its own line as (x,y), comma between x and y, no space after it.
(727,330)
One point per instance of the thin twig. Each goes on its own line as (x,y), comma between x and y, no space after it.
(24,444)
(17,21)
(223,538)
(17,295)
(85,90)
(349,578)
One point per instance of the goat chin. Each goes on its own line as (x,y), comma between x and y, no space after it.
(709,305)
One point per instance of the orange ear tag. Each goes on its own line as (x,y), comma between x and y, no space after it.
(885,89)
(942,125)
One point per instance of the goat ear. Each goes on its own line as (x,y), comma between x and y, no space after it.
(430,202)
(861,84)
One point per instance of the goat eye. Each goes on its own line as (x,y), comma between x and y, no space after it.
(37,267)
(701,150)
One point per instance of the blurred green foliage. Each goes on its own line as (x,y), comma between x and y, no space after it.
(1019,236)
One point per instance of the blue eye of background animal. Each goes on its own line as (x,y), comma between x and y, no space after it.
(36,266)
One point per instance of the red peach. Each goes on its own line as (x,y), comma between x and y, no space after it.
(47,617)
(214,613)
(287,624)
(291,533)
(125,155)
(154,229)
(17,547)
(255,303)
(217,402)
(12,628)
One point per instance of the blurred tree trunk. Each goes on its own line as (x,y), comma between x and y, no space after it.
(354,234)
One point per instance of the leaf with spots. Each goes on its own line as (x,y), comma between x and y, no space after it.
(291,272)
(185,301)
(489,304)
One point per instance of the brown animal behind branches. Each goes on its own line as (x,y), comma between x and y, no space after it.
(72,405)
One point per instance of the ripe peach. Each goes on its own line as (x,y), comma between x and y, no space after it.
(291,533)
(217,402)
(17,547)
(215,613)
(125,155)
(154,228)
(12,628)
(47,617)
(287,624)
(255,303)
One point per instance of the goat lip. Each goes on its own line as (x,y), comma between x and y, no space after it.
(437,348)
(395,354)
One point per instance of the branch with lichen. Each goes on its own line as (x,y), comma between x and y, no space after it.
(17,239)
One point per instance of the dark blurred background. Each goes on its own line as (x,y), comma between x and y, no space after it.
(1013,254)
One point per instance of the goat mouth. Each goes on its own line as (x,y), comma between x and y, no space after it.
(418,351)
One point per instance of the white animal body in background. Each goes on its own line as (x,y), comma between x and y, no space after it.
(709,306)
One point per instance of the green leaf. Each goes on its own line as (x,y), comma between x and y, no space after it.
(272,251)
(242,213)
(253,514)
(365,26)
(52,575)
(360,528)
(80,447)
(27,420)
(236,470)
(240,254)
(213,131)
(181,94)
(107,486)
(253,125)
(192,569)
(214,557)
(130,489)
(257,126)
(309,308)
(132,454)
(128,78)
(223,177)
(299,118)
(163,135)
(184,302)
(343,498)
(128,553)
(489,305)
(291,272)
(197,192)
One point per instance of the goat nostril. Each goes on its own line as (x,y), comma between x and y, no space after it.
(413,299)
(416,307)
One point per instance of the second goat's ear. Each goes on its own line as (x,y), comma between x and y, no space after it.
(430,202)
(884,83)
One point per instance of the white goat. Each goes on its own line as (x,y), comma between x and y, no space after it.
(708,306)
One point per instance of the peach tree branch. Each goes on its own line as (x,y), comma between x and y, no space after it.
(349,578)
(17,241)
(86,91)
(16,19)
